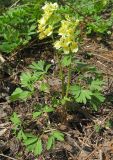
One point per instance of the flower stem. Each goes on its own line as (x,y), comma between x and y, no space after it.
(61,74)
(69,81)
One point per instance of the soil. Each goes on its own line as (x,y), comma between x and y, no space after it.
(82,142)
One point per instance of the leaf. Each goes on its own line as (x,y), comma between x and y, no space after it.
(80,95)
(44,87)
(27,80)
(96,100)
(47,67)
(97,128)
(81,66)
(30,135)
(21,135)
(58,135)
(48,109)
(96,85)
(39,66)
(109,124)
(30,141)
(75,90)
(31,147)
(50,142)
(15,119)
(38,148)
(36,114)
(99,96)
(19,94)
(84,96)
(24,136)
(66,61)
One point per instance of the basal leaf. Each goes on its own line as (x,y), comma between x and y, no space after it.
(20,94)
(48,109)
(36,114)
(38,148)
(58,135)
(29,141)
(15,119)
(84,96)
(50,142)
(39,66)
(81,95)
(96,85)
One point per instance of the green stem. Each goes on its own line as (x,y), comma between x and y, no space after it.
(69,81)
(61,74)
(61,70)
(62,79)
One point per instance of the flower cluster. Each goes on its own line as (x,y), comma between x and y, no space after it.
(45,30)
(67,32)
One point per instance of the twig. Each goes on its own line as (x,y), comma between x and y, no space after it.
(7,157)
(47,131)
(100,155)
(90,154)
(2,60)
(107,117)
(110,60)
(15,4)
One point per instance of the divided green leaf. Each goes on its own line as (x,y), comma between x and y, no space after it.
(80,95)
(20,94)
(15,119)
(96,85)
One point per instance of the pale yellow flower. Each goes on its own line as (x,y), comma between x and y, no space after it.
(44,32)
(67,32)
(43,29)
(74,47)
(48,31)
(42,21)
(41,35)
(50,7)
(66,49)
(57,44)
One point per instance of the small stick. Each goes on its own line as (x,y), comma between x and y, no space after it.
(90,154)
(7,157)
(100,155)
(13,5)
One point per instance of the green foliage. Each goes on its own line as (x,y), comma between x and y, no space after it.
(99,25)
(15,29)
(80,95)
(15,119)
(88,87)
(66,60)
(40,68)
(88,7)
(90,13)
(109,124)
(17,129)
(18,25)
(34,143)
(39,110)
(54,135)
(97,128)
(20,94)
(28,80)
